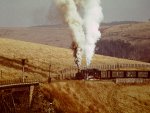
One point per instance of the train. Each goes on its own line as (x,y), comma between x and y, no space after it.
(111,74)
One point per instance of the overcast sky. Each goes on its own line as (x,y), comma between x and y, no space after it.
(43,12)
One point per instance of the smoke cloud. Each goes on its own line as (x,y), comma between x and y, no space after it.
(92,17)
(85,27)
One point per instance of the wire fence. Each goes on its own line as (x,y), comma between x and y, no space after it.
(69,73)
(120,66)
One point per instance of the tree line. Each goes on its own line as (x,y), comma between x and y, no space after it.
(122,49)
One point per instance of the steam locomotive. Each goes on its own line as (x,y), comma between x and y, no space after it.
(88,74)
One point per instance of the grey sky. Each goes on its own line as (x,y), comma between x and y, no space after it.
(42,12)
(115,10)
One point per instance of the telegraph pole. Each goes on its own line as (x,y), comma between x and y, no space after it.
(49,77)
(1,74)
(23,67)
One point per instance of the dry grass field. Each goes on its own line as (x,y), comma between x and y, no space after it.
(48,35)
(71,96)
(130,41)
(39,57)
(136,33)
(97,97)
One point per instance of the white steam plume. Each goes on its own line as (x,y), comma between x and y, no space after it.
(85,30)
(75,22)
(73,19)
(92,18)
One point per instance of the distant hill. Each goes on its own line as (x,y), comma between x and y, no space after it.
(118,23)
(53,26)
(129,41)
(126,39)
(59,36)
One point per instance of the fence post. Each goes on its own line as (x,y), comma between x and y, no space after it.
(110,74)
(148,74)
(1,74)
(50,70)
(70,72)
(23,65)
(49,77)
(137,73)
(125,74)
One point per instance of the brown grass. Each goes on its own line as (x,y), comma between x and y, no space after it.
(39,57)
(137,34)
(98,97)
(71,96)
(50,35)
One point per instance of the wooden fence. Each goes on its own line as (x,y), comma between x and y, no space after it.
(69,73)
(17,81)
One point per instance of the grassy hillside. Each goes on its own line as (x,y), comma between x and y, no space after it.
(70,96)
(129,41)
(135,33)
(39,57)
(131,38)
(97,97)
(49,35)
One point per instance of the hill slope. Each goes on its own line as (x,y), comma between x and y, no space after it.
(97,97)
(126,41)
(39,57)
(70,96)
(129,39)
(48,35)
